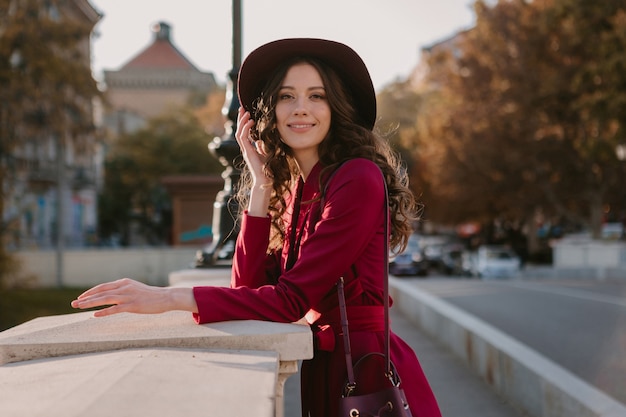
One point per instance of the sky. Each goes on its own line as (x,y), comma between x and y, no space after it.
(387,34)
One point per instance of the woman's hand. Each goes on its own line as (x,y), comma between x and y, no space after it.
(255,156)
(253,151)
(127,295)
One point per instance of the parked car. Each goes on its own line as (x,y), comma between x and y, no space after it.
(409,262)
(496,262)
(454,260)
(432,247)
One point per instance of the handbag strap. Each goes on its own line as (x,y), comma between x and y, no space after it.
(351,385)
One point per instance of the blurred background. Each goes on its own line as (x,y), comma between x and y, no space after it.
(114,125)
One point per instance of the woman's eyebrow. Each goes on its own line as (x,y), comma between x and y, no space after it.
(321,87)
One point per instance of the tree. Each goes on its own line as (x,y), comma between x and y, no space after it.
(174,144)
(398,104)
(45,74)
(528,113)
(46,84)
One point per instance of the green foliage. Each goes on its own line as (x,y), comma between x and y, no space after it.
(21,305)
(175,144)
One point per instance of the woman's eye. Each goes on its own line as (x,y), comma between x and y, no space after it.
(285,96)
(318,96)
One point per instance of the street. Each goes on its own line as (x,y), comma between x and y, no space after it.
(578,324)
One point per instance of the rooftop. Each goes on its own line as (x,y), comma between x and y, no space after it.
(161,53)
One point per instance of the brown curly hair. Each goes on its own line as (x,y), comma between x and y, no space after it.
(347,139)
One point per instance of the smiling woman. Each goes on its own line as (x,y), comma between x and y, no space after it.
(306,133)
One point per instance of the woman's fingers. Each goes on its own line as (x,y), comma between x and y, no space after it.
(254,152)
(243,133)
(98,300)
(104,287)
(115,309)
(125,295)
(244,124)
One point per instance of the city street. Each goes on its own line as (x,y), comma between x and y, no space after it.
(578,324)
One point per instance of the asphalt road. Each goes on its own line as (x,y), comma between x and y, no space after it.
(578,324)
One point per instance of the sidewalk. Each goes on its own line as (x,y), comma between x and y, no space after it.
(459,391)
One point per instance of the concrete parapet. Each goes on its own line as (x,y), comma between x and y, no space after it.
(156,382)
(139,352)
(215,277)
(80,333)
(527,379)
(88,267)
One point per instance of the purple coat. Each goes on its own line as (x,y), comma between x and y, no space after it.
(344,238)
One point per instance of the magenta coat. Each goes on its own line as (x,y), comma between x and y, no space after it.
(344,238)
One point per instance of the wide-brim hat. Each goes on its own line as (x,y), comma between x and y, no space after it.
(259,65)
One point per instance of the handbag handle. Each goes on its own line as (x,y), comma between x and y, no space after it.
(351,385)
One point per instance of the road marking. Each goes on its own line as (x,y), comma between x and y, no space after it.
(608,299)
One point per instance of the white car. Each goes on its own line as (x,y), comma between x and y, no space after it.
(497,262)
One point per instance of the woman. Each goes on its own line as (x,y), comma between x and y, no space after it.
(315,209)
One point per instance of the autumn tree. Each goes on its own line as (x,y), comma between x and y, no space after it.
(525,115)
(398,104)
(46,87)
(174,144)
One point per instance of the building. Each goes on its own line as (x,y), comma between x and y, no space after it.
(44,162)
(157,79)
(419,77)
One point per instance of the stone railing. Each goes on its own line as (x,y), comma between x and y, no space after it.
(87,267)
(154,365)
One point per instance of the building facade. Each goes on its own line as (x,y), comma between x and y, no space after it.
(154,81)
(51,179)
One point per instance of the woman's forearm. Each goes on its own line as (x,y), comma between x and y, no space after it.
(259,200)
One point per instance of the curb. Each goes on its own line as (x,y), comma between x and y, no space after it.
(528,380)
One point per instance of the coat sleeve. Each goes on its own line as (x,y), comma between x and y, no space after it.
(352,214)
(252,266)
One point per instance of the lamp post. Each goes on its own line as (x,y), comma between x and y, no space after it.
(226,149)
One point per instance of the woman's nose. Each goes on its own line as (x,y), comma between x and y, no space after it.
(300,107)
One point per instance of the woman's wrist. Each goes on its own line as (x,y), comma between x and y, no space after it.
(182,299)
(259,200)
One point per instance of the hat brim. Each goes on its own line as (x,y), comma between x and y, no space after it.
(259,65)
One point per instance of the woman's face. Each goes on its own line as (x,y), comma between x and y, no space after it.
(302,111)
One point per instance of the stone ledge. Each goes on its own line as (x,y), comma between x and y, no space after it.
(71,338)
(79,333)
(150,382)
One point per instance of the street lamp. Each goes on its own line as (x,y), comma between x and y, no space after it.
(226,149)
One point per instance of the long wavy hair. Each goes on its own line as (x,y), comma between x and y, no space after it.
(346,139)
